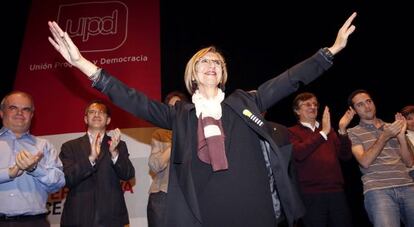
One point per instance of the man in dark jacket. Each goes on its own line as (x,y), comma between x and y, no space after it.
(93,165)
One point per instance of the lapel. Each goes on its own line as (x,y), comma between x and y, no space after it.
(249,112)
(85,146)
(185,148)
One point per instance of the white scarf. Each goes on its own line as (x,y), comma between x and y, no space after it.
(210,134)
(208,107)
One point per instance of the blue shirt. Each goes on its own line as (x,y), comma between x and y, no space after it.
(27,194)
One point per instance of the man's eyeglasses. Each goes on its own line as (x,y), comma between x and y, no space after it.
(310,104)
(15,109)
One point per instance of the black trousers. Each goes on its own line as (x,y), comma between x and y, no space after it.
(326,209)
(156,209)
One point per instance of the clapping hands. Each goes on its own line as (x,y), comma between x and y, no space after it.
(115,139)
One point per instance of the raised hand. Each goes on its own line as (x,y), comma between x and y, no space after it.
(70,52)
(342,37)
(63,44)
(95,147)
(115,138)
(393,129)
(326,121)
(345,120)
(399,116)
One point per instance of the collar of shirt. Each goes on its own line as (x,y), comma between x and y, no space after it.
(308,125)
(91,136)
(7,133)
(366,125)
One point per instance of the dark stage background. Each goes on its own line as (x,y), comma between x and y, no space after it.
(260,39)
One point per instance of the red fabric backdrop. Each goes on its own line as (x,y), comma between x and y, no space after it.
(121,36)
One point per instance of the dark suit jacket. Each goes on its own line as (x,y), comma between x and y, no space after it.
(183,209)
(95,195)
(280,134)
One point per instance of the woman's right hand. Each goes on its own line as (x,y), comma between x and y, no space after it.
(70,52)
(63,44)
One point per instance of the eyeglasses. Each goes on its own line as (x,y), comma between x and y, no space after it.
(310,104)
(96,112)
(206,61)
(15,109)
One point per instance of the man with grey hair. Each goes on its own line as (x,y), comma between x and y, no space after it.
(29,166)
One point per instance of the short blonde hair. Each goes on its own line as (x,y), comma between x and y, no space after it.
(190,69)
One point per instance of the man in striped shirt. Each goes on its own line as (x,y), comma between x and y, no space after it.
(384,157)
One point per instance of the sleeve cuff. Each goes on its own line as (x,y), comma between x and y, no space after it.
(323,135)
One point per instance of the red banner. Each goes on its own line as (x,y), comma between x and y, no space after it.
(122,37)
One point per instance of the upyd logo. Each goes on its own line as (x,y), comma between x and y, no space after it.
(95,26)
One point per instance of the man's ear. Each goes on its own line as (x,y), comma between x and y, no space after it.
(296,111)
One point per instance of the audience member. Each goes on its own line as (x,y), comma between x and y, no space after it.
(382,152)
(317,150)
(29,166)
(94,165)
